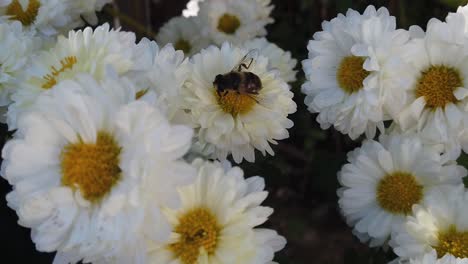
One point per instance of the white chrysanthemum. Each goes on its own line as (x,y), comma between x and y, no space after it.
(431,258)
(84,51)
(383,180)
(233,20)
(236,123)
(348,70)
(88,9)
(437,89)
(16,47)
(90,166)
(440,224)
(184,34)
(167,74)
(278,59)
(48,17)
(217,220)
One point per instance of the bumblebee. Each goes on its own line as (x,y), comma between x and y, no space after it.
(239,79)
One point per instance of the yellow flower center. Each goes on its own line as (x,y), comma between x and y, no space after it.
(26,17)
(453,242)
(198,228)
(93,168)
(228,23)
(398,192)
(183,45)
(235,103)
(437,84)
(351,74)
(50,80)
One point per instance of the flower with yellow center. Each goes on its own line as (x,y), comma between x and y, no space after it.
(453,242)
(198,229)
(437,228)
(84,51)
(99,166)
(217,220)
(184,33)
(43,17)
(234,21)
(92,168)
(183,45)
(436,88)
(234,121)
(437,85)
(351,74)
(384,180)
(27,15)
(402,185)
(228,23)
(348,69)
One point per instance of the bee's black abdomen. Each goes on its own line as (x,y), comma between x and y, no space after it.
(253,82)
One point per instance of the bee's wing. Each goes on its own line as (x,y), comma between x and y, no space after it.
(246,62)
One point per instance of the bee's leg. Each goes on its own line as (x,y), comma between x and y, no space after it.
(225,92)
(253,98)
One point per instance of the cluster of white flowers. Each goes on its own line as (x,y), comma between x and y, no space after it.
(404,189)
(104,125)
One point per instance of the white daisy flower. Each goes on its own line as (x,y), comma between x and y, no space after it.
(217,220)
(16,46)
(88,9)
(431,258)
(166,76)
(84,51)
(48,17)
(385,179)
(440,225)
(437,89)
(235,21)
(278,59)
(235,123)
(348,71)
(90,167)
(184,34)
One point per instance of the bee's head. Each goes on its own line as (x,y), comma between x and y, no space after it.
(219,80)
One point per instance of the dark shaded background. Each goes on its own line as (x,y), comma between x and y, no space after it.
(301,178)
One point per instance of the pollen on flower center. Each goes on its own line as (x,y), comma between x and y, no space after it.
(197,228)
(228,23)
(26,17)
(453,242)
(183,45)
(93,168)
(351,74)
(235,103)
(50,80)
(437,84)
(398,192)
